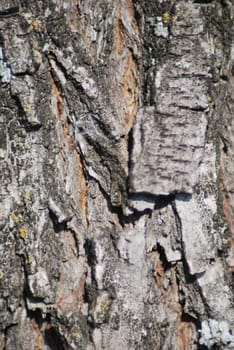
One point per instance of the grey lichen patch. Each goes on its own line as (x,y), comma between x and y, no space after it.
(216,293)
(216,333)
(5,71)
(160,28)
(19,54)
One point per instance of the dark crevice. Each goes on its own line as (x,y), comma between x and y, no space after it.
(172,12)
(166,264)
(37,317)
(34,300)
(18,104)
(118,210)
(138,13)
(189,76)
(225,143)
(132,218)
(9,12)
(29,127)
(92,324)
(24,74)
(89,247)
(53,339)
(160,201)
(192,280)
(225,78)
(183,196)
(189,278)
(203,347)
(91,289)
(130,150)
(190,319)
(194,109)
(57,226)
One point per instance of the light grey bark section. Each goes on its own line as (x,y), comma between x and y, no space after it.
(171,165)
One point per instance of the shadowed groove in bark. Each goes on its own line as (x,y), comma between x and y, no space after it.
(53,339)
(166,265)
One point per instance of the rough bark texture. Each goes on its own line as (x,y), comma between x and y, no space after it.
(117,190)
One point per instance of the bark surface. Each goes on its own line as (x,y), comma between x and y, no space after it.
(116,168)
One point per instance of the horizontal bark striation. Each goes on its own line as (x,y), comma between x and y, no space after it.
(116,175)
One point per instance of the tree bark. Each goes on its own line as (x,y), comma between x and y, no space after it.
(117,191)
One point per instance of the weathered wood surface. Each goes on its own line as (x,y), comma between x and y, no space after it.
(116,167)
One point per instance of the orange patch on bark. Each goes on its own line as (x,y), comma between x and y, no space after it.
(185,335)
(169,295)
(59,103)
(131,81)
(119,37)
(160,274)
(228,212)
(170,298)
(40,341)
(59,112)
(130,89)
